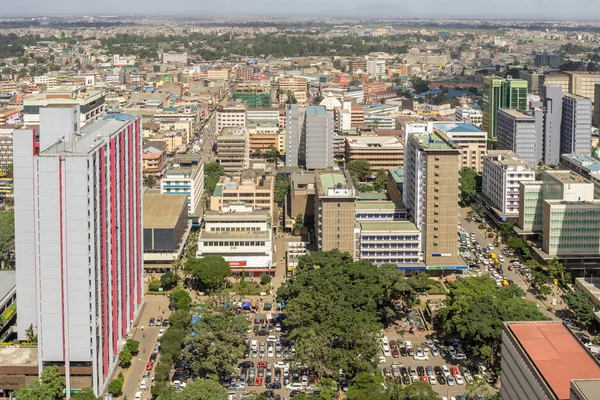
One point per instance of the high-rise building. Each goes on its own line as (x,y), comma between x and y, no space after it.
(582,83)
(335,211)
(502,172)
(431,194)
(553,110)
(185,176)
(546,59)
(521,133)
(376,68)
(78,220)
(318,131)
(501,93)
(471,140)
(576,132)
(596,117)
(543,360)
(295,143)
(230,115)
(233,149)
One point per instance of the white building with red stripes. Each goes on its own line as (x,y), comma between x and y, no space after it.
(78,237)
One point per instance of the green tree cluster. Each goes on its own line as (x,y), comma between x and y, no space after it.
(475,309)
(168,280)
(468,185)
(281,188)
(125,358)
(419,84)
(579,303)
(336,308)
(212,172)
(181,299)
(359,170)
(7,235)
(50,387)
(210,271)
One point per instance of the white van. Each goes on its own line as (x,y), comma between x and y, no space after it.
(254,345)
(144,384)
(295,386)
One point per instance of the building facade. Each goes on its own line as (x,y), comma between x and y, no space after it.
(318,131)
(250,188)
(501,93)
(233,149)
(431,194)
(471,140)
(576,132)
(382,152)
(520,133)
(231,115)
(186,176)
(502,173)
(78,218)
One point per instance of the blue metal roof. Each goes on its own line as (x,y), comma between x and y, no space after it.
(587,163)
(455,127)
(317,110)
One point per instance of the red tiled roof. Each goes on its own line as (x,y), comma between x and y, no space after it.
(557,355)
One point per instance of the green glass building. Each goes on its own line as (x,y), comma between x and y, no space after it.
(501,93)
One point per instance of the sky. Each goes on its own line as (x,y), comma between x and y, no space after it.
(491,9)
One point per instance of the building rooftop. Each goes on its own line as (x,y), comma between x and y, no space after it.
(379,205)
(373,196)
(567,176)
(216,216)
(390,226)
(163,210)
(456,127)
(517,114)
(18,356)
(587,163)
(556,354)
(90,136)
(505,158)
(336,184)
(234,235)
(374,141)
(589,388)
(433,142)
(316,110)
(397,174)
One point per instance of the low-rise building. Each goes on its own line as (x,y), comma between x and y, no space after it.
(502,173)
(233,149)
(300,198)
(380,151)
(395,183)
(468,115)
(471,140)
(586,166)
(166,228)
(295,250)
(230,115)
(541,360)
(154,157)
(388,242)
(251,188)
(242,236)
(186,176)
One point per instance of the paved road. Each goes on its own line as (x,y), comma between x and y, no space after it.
(147,336)
(481,237)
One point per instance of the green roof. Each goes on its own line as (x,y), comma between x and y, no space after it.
(330,181)
(397,174)
(218,191)
(432,142)
(373,196)
(382,205)
(388,226)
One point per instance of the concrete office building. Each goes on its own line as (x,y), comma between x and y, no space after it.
(91,103)
(78,240)
(173,57)
(186,176)
(520,133)
(586,166)
(242,236)
(335,210)
(295,139)
(553,111)
(500,93)
(395,183)
(166,228)
(382,152)
(232,115)
(296,86)
(300,198)
(596,116)
(502,173)
(233,149)
(471,140)
(388,242)
(250,187)
(543,360)
(546,59)
(468,115)
(318,130)
(431,194)
(576,132)
(6,147)
(255,93)
(581,83)
(556,80)
(533,80)
(376,68)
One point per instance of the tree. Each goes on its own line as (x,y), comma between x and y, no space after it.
(265,279)
(555,269)
(30,335)
(213,171)
(272,153)
(281,189)
(520,246)
(538,279)
(202,390)
(359,170)
(50,387)
(125,358)
(507,229)
(367,387)
(180,319)
(154,285)
(114,387)
(380,183)
(299,222)
(545,290)
(468,185)
(168,280)
(291,98)
(7,235)
(476,307)
(419,84)
(417,390)
(210,271)
(150,181)
(579,303)
(85,394)
(8,170)
(133,346)
(181,299)
(477,387)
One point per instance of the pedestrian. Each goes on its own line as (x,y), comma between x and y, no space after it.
(143,336)
(144,350)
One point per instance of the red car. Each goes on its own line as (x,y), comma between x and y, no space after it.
(415,329)
(259,381)
(395,353)
(149,365)
(262,364)
(424,379)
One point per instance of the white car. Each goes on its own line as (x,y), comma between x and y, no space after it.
(408,344)
(270,352)
(381,360)
(138,395)
(161,333)
(459,380)
(432,380)
(144,384)
(445,370)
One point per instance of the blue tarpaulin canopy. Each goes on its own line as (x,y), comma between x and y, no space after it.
(246,305)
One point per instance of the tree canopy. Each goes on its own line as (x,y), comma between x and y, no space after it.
(336,308)
(281,189)
(476,307)
(181,299)
(212,172)
(468,185)
(168,280)
(580,304)
(210,271)
(50,387)
(359,170)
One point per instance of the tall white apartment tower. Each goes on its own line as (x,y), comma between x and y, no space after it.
(78,237)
